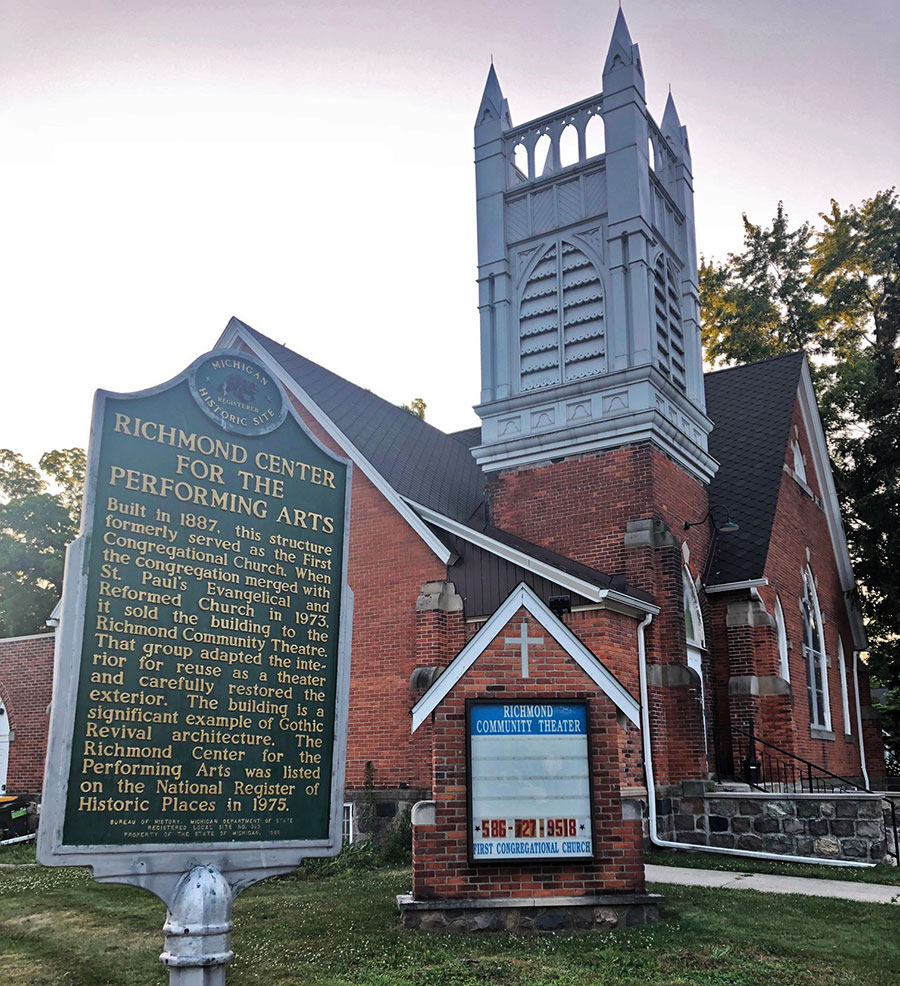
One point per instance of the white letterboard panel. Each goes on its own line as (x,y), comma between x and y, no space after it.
(529,781)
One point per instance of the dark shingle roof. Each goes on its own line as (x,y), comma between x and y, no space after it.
(751,407)
(470,437)
(416,459)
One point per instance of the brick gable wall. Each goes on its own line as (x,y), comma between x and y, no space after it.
(440,856)
(800,526)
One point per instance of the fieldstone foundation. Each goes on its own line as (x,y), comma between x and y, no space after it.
(830,826)
(602,913)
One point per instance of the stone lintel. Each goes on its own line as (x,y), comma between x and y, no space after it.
(758,685)
(440,597)
(748,613)
(423,813)
(423,678)
(648,533)
(672,676)
(633,809)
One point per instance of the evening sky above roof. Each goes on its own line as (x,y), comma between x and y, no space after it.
(751,407)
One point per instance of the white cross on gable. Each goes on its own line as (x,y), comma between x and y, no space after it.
(524,640)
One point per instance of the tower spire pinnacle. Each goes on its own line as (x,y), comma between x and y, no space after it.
(622,50)
(670,122)
(620,31)
(493,105)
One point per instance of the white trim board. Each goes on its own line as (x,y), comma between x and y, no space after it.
(234,332)
(610,598)
(734,586)
(49,634)
(524,597)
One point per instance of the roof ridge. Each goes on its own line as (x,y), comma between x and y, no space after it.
(758,362)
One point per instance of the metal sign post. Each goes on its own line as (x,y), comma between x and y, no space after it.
(199,720)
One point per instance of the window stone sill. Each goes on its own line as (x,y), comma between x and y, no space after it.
(816,732)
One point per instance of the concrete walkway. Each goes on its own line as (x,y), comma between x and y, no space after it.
(869,893)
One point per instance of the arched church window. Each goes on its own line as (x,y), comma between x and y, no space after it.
(669,332)
(814,655)
(695,635)
(561,319)
(4,747)
(784,668)
(693,618)
(845,698)
(799,464)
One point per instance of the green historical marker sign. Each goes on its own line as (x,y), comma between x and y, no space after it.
(202,680)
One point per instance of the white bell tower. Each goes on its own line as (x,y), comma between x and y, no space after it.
(587,274)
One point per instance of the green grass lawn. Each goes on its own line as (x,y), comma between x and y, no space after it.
(59,928)
(883,873)
(18,852)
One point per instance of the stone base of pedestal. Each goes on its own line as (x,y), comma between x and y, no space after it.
(600,913)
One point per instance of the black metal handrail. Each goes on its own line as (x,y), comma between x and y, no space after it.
(806,774)
(763,771)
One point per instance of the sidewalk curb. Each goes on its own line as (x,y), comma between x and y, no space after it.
(869,893)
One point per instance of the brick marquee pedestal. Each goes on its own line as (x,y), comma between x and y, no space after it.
(454,891)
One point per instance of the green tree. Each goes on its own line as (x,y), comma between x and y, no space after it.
(416,406)
(760,302)
(66,467)
(35,528)
(857,271)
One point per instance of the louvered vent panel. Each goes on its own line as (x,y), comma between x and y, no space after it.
(584,339)
(539,324)
(669,330)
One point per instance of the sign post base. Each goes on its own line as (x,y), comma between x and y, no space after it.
(198,929)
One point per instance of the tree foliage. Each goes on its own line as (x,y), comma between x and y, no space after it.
(760,302)
(416,406)
(36,525)
(835,292)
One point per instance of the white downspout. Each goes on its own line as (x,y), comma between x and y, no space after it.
(859,725)
(651,785)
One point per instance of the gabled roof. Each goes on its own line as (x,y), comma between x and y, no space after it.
(419,466)
(417,460)
(521,597)
(751,407)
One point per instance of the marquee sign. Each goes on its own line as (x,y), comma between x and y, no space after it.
(529,781)
(202,671)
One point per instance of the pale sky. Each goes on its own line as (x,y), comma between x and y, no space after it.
(308,167)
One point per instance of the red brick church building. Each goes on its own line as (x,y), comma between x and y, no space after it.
(607,476)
